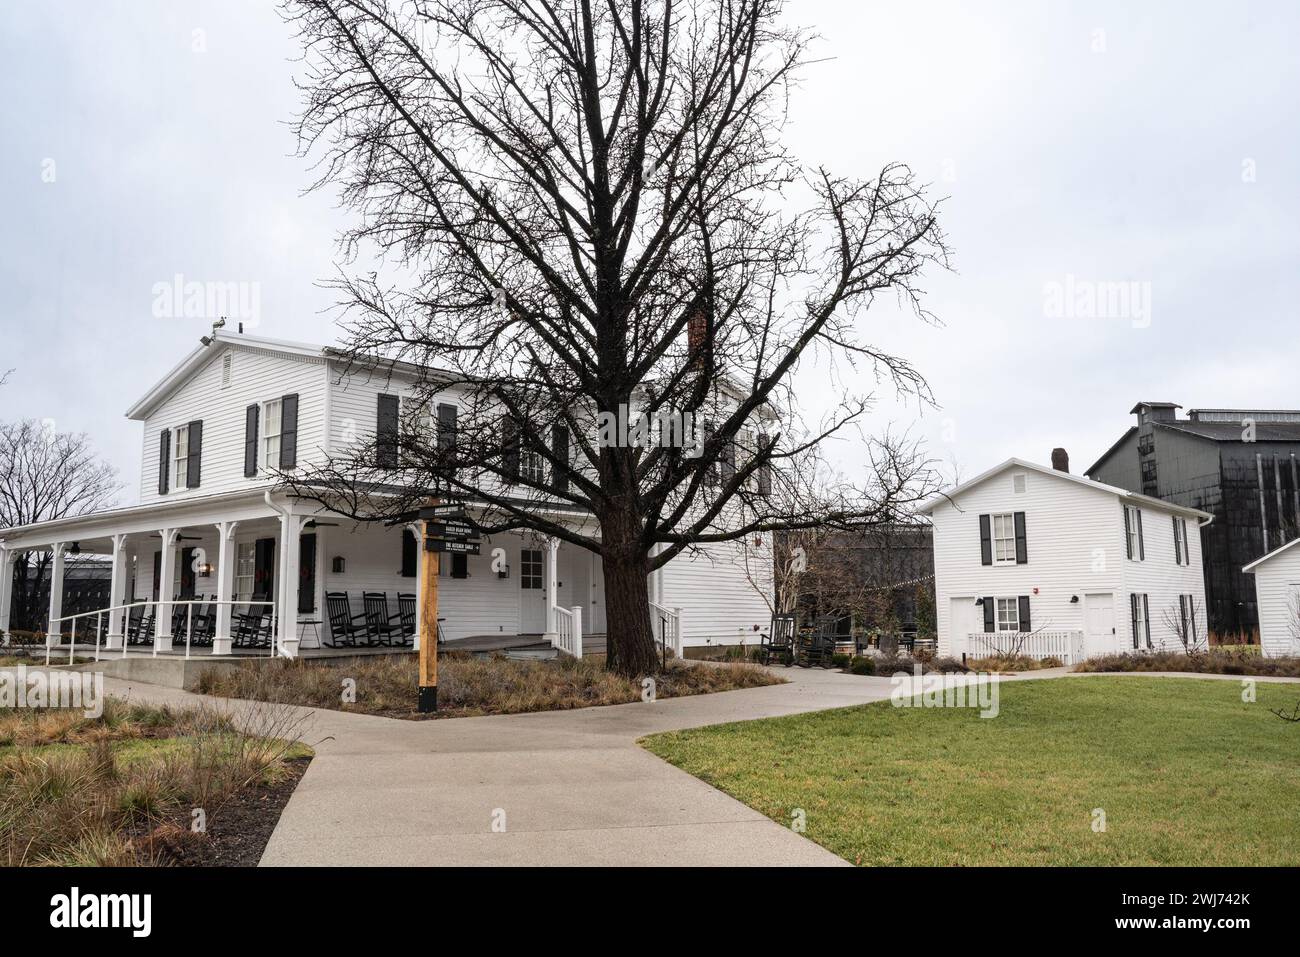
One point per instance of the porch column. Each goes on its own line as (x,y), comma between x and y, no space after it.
(52,628)
(552,588)
(116,591)
(162,633)
(222,640)
(417,529)
(290,568)
(7,558)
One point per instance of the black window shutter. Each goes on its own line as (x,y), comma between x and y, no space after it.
(727,461)
(1133,619)
(1142,547)
(386,415)
(1022,548)
(1128,531)
(1146,617)
(446,425)
(289,431)
(459,566)
(509,448)
(1024,614)
(560,449)
(764,470)
(990,613)
(1182,614)
(410,553)
(986,541)
(250,441)
(1178,550)
(164,458)
(157,575)
(194,460)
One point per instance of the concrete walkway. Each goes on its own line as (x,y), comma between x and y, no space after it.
(553,788)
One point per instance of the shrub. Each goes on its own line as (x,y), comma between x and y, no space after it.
(1214,662)
(841,661)
(861,665)
(923,655)
(1051,661)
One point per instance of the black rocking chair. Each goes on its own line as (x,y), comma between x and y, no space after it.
(380,629)
(344,629)
(778,644)
(819,647)
(406,613)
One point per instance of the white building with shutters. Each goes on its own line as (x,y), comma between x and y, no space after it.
(1034,560)
(213,536)
(1277,596)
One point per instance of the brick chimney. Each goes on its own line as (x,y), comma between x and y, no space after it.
(1060,460)
(696,330)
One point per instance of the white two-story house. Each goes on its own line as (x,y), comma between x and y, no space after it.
(213,522)
(1034,560)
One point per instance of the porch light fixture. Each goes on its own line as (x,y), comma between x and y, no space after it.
(75,549)
(204,571)
(979,601)
(1074,599)
(338,565)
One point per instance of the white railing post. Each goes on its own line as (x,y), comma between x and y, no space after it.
(679,648)
(99,629)
(577,631)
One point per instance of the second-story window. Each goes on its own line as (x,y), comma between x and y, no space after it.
(271,422)
(180,456)
(1133,543)
(532,467)
(1004,538)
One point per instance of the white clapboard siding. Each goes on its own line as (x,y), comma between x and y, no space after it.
(1277,590)
(1075,546)
(257,375)
(724,590)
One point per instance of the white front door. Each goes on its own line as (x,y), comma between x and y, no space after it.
(1099,624)
(532,591)
(965,617)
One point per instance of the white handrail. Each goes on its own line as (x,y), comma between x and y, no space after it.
(56,631)
(666,623)
(568,630)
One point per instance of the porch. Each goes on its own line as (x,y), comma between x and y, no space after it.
(256,573)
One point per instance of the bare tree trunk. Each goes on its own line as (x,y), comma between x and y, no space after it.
(630,646)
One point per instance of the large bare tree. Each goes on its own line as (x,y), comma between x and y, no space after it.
(585,210)
(46,475)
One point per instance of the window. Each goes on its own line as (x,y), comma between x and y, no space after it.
(1008,614)
(1018,483)
(180,457)
(227,364)
(1140,618)
(532,468)
(530,568)
(1187,619)
(1149,471)
(271,434)
(1004,538)
(245,565)
(1133,533)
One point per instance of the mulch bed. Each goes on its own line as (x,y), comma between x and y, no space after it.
(237,832)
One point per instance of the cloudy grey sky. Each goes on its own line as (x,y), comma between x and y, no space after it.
(1151,143)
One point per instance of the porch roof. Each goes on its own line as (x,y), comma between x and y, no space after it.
(198,510)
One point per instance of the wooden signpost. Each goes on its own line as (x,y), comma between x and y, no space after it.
(446,530)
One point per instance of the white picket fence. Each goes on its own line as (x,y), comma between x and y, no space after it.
(1067,646)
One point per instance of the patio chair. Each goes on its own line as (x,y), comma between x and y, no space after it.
(139,625)
(205,624)
(778,643)
(406,611)
(818,648)
(379,622)
(344,629)
(252,629)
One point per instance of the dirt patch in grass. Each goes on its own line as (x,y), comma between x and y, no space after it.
(142,785)
(1216,661)
(467,686)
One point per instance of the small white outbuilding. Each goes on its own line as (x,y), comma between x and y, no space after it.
(1277,596)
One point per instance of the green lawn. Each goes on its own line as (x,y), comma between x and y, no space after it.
(1186,772)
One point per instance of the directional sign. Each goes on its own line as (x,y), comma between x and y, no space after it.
(461,530)
(450,545)
(443,512)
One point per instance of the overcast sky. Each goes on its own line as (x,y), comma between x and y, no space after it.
(1153,144)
